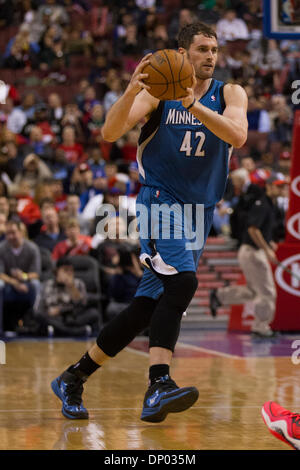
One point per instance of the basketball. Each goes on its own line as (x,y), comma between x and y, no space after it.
(170,73)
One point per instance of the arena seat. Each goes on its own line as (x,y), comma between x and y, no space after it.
(87,269)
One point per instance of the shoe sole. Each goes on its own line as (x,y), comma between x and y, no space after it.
(278,432)
(56,390)
(180,402)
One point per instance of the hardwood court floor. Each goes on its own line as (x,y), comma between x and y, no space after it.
(233,386)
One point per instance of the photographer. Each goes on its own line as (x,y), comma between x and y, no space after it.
(64,304)
(123,285)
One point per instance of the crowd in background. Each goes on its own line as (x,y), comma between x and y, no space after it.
(64,64)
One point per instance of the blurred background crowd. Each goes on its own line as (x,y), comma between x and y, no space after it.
(64,63)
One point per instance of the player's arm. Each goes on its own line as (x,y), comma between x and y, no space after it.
(232,125)
(135,104)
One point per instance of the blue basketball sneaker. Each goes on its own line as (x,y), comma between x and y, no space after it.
(68,388)
(164,397)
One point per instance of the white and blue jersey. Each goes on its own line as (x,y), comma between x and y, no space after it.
(181,163)
(179,154)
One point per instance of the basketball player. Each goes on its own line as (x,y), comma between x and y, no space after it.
(179,163)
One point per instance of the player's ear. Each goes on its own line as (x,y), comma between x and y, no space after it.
(181,50)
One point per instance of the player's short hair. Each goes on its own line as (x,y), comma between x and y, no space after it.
(187,33)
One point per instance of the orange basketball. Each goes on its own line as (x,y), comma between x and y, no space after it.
(170,73)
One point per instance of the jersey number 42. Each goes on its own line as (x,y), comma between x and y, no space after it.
(187,147)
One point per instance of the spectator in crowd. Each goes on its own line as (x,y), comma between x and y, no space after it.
(180,19)
(58,194)
(110,236)
(52,48)
(56,12)
(129,148)
(50,232)
(98,69)
(20,267)
(73,212)
(81,179)
(285,160)
(89,100)
(73,117)
(34,171)
(83,184)
(111,170)
(79,40)
(79,97)
(96,162)
(3,186)
(4,206)
(113,94)
(43,192)
(13,209)
(267,58)
(283,126)
(15,157)
(229,27)
(258,118)
(63,308)
(257,175)
(259,125)
(41,117)
(134,182)
(93,123)
(61,169)
(3,220)
(16,118)
(75,243)
(27,209)
(221,219)
(73,151)
(37,145)
(20,51)
(8,168)
(123,285)
(56,112)
(222,70)
(46,203)
(27,106)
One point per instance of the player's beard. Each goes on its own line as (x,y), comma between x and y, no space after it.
(204,74)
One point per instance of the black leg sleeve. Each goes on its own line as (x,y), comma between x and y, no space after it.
(179,290)
(120,331)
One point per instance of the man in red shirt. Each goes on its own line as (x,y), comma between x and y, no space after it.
(75,244)
(73,151)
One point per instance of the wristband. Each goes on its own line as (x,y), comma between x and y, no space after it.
(192,104)
(25,276)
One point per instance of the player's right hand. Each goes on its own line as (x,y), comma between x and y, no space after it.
(136,83)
